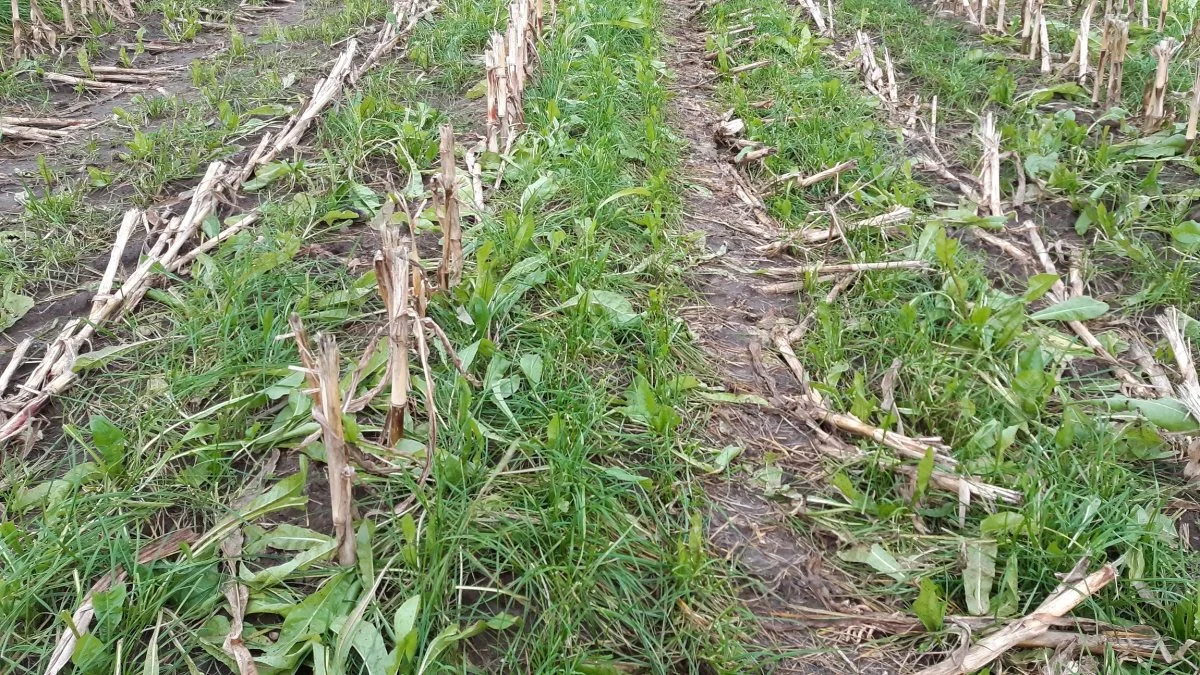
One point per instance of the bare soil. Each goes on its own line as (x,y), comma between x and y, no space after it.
(784,569)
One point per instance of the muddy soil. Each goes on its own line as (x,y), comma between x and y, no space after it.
(784,569)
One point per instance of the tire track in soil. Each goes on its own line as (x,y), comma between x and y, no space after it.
(744,525)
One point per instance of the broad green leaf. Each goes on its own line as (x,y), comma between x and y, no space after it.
(110,605)
(1007,600)
(1078,308)
(102,357)
(1039,285)
(877,557)
(365,551)
(283,537)
(1168,413)
(406,632)
(538,191)
(978,575)
(846,486)
(453,633)
(720,461)
(628,192)
(1005,522)
(108,439)
(629,477)
(13,306)
(265,175)
(725,456)
(89,652)
(369,644)
(929,606)
(1187,233)
(313,615)
(615,304)
(531,366)
(272,575)
(287,493)
(47,494)
(478,91)
(1037,165)
(924,472)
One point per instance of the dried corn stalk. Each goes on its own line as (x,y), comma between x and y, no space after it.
(873,75)
(445,193)
(1080,53)
(1193,109)
(1155,98)
(1036,36)
(324,378)
(1111,66)
(392,275)
(989,175)
(508,63)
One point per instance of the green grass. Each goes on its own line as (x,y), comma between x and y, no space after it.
(562,530)
(1007,392)
(590,538)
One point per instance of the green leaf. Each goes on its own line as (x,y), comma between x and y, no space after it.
(929,606)
(265,175)
(110,605)
(313,616)
(1039,285)
(108,439)
(1005,522)
(642,405)
(89,652)
(365,551)
(1007,600)
(538,191)
(1036,165)
(369,644)
(478,91)
(283,537)
(628,477)
(1187,233)
(979,574)
(1078,308)
(47,494)
(406,632)
(13,306)
(102,357)
(276,573)
(725,456)
(287,493)
(628,192)
(877,557)
(616,305)
(531,365)
(1168,413)
(924,472)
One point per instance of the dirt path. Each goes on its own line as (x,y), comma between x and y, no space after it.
(735,329)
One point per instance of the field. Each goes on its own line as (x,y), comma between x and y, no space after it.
(637,336)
